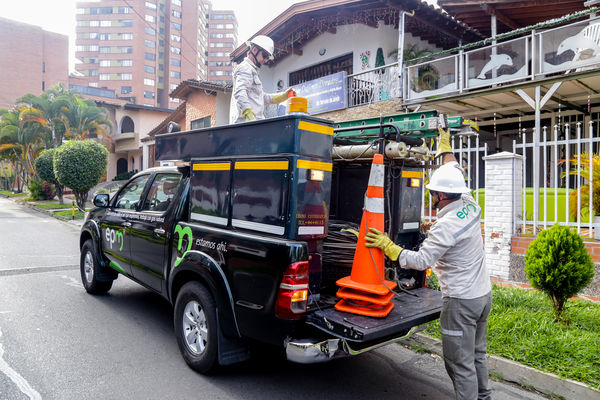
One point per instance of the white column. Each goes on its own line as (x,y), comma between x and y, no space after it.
(145,154)
(503,172)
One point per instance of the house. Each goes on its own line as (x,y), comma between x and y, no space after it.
(203,104)
(527,72)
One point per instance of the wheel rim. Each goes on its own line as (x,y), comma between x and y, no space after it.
(88,266)
(195,328)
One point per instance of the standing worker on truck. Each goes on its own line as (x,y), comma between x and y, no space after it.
(248,98)
(454,247)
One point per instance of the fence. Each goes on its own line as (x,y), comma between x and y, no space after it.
(567,172)
(373,86)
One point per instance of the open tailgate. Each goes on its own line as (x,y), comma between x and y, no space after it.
(408,311)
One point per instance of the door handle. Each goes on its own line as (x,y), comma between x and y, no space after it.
(126,224)
(159,231)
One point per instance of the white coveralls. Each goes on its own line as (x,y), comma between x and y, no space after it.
(454,247)
(247,92)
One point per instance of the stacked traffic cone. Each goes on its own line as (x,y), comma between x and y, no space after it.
(365,291)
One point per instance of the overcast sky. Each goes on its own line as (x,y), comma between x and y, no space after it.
(59,15)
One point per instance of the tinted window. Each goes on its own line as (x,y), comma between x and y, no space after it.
(161,193)
(210,192)
(129,197)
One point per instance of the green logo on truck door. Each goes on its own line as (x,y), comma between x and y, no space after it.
(114,236)
(182,232)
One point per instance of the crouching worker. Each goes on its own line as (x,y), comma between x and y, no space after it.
(454,247)
(248,99)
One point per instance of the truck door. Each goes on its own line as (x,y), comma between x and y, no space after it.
(116,225)
(150,231)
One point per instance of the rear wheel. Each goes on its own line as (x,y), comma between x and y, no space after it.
(90,270)
(196,327)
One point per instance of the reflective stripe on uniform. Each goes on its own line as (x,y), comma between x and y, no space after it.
(466,227)
(450,332)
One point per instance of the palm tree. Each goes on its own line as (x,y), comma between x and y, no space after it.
(50,107)
(83,119)
(20,140)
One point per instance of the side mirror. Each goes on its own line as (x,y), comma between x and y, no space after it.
(101,200)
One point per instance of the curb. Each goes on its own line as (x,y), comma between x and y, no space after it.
(511,371)
(50,213)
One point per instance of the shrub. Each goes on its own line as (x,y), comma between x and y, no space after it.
(558,264)
(47,191)
(44,165)
(80,165)
(35,189)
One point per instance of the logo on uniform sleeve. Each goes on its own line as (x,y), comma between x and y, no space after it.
(183,232)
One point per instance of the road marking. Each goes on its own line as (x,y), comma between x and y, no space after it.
(35,270)
(14,376)
(72,281)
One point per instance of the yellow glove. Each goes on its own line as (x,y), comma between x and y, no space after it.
(443,142)
(248,114)
(374,238)
(353,231)
(281,97)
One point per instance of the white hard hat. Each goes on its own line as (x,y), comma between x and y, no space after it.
(265,43)
(448,178)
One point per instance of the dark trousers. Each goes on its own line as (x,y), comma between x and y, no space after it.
(464,331)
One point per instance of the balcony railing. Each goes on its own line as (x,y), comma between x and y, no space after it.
(373,86)
(567,49)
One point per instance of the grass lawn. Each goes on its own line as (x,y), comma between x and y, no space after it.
(11,194)
(53,205)
(522,328)
(68,213)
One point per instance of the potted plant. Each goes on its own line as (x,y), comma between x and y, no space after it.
(590,187)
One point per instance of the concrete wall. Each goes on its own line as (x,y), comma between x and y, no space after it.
(355,39)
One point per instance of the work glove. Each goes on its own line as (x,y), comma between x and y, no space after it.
(374,238)
(248,114)
(352,231)
(443,142)
(283,96)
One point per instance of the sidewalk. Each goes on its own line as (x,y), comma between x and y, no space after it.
(548,384)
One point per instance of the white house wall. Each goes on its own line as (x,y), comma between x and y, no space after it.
(356,39)
(222,113)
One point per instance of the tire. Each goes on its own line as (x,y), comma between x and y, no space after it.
(90,270)
(195,323)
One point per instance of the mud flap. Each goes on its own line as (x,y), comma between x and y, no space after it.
(230,351)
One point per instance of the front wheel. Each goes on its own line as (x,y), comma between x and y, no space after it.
(90,270)
(196,327)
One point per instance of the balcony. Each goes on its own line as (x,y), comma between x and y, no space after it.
(562,51)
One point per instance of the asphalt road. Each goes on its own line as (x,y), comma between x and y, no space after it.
(58,342)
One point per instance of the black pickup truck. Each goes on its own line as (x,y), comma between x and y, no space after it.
(238,239)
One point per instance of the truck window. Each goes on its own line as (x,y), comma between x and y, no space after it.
(209,200)
(161,193)
(129,197)
(260,190)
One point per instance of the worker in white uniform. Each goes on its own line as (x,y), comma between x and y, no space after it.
(248,98)
(454,248)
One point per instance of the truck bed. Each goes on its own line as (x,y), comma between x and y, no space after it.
(408,311)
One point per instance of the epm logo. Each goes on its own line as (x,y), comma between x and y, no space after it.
(464,213)
(113,236)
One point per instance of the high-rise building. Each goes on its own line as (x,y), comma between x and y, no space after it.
(31,60)
(222,39)
(142,49)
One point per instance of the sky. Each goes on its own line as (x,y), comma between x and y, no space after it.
(59,16)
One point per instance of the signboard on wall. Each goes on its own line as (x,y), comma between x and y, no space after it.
(323,94)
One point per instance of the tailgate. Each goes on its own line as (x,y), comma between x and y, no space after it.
(408,311)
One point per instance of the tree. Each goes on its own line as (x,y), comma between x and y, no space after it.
(558,264)
(83,119)
(50,104)
(20,140)
(80,165)
(44,165)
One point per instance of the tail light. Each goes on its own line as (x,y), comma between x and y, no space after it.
(293,292)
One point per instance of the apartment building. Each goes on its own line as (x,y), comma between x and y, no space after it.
(142,49)
(31,60)
(222,39)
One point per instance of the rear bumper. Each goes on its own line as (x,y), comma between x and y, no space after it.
(307,351)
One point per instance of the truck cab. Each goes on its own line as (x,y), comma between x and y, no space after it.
(245,238)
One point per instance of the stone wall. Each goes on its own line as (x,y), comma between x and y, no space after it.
(367,111)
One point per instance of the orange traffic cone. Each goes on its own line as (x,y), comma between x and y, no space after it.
(365,291)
